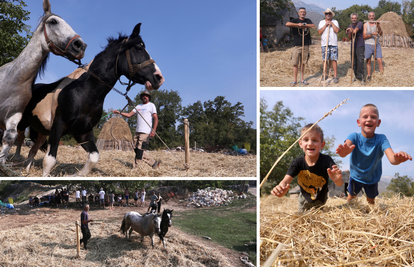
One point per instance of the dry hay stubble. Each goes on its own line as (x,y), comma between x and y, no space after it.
(276,69)
(341,234)
(115,163)
(55,245)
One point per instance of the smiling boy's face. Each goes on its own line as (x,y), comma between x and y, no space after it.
(311,143)
(368,121)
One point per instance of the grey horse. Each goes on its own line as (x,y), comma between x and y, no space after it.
(146,224)
(52,34)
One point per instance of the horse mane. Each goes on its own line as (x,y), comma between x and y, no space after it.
(112,41)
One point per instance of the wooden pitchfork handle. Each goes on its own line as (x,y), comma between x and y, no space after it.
(352,57)
(375,50)
(324,65)
(303,49)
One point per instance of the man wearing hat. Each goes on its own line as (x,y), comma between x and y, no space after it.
(332,48)
(145,129)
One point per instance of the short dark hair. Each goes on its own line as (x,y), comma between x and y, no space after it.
(314,128)
(301,8)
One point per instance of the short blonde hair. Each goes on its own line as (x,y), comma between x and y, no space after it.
(370,106)
(314,128)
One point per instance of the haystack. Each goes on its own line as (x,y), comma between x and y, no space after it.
(394,32)
(115,135)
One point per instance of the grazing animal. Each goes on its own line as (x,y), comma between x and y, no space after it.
(73,105)
(165,223)
(52,34)
(146,224)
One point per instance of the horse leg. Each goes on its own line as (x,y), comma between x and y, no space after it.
(19,142)
(9,135)
(41,139)
(50,158)
(87,141)
(130,231)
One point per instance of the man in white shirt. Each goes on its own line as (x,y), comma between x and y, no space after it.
(102,198)
(83,196)
(332,42)
(145,129)
(77,195)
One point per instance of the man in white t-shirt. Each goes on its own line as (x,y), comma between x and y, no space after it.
(332,42)
(83,194)
(77,195)
(102,198)
(145,129)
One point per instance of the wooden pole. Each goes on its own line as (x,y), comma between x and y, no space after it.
(187,144)
(324,63)
(77,240)
(352,56)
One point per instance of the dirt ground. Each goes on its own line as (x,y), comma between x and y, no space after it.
(276,69)
(23,215)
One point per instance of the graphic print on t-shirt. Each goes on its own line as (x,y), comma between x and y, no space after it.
(311,182)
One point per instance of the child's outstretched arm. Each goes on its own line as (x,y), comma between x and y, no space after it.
(397,158)
(345,149)
(283,187)
(336,175)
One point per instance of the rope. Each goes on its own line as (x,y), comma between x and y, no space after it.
(277,161)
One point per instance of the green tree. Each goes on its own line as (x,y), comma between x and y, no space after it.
(273,8)
(218,123)
(387,6)
(14,33)
(402,184)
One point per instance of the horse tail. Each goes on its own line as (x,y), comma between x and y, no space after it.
(123,230)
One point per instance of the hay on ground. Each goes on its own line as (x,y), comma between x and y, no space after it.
(355,234)
(276,69)
(55,245)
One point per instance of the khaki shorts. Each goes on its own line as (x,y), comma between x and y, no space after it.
(297,54)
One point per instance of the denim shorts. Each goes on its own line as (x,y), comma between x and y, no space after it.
(354,187)
(369,51)
(332,53)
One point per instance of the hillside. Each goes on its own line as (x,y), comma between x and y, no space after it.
(309,7)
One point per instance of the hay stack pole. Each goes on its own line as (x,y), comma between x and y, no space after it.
(77,240)
(187,144)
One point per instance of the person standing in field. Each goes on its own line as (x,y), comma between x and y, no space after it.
(86,234)
(332,49)
(372,30)
(356,29)
(300,26)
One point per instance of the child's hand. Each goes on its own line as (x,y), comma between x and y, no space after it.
(336,175)
(344,150)
(401,157)
(281,189)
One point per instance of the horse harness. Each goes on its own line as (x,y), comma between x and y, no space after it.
(55,49)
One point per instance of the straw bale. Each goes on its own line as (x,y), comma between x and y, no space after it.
(276,69)
(116,163)
(341,234)
(55,245)
(116,128)
(395,26)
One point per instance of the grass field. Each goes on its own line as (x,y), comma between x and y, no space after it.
(232,226)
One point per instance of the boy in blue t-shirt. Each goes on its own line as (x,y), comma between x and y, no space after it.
(367,149)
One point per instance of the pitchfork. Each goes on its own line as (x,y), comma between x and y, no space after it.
(303,34)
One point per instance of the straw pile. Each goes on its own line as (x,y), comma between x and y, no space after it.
(394,32)
(355,234)
(55,245)
(207,197)
(115,134)
(276,69)
(116,163)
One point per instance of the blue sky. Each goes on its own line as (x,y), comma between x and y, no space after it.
(341,5)
(203,48)
(396,109)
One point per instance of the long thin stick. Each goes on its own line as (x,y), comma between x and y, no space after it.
(324,65)
(375,51)
(352,52)
(277,161)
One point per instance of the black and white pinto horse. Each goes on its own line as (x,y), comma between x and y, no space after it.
(52,34)
(74,106)
(165,224)
(147,224)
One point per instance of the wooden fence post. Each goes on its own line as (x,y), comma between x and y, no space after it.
(77,240)
(187,144)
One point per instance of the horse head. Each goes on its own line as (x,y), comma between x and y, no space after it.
(167,215)
(59,37)
(156,222)
(136,64)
